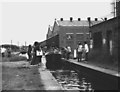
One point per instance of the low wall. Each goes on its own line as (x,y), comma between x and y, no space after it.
(53,61)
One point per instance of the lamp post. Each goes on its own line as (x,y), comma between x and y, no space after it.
(18,43)
(25,43)
(90,34)
(11,45)
(89,21)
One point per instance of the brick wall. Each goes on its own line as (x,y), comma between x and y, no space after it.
(77,34)
(109,31)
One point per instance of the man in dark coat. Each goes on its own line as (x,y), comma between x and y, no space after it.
(29,52)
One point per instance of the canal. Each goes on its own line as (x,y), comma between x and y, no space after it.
(75,77)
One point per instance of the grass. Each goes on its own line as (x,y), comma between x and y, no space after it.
(21,79)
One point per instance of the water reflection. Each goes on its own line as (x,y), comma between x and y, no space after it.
(69,80)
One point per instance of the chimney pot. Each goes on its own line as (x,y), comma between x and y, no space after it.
(61,19)
(88,19)
(96,19)
(105,19)
(79,19)
(71,19)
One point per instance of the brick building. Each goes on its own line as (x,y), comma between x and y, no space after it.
(71,32)
(105,41)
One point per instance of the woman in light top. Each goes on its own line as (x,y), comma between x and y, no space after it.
(86,50)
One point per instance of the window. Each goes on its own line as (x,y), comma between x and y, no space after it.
(69,36)
(70,40)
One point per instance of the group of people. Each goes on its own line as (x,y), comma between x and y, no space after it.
(35,54)
(66,52)
(82,51)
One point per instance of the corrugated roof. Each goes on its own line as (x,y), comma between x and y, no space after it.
(76,23)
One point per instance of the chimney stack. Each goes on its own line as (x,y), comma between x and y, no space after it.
(71,19)
(61,19)
(79,19)
(96,19)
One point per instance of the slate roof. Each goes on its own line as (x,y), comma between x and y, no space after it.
(76,23)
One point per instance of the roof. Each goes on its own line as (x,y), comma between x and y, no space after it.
(104,22)
(50,29)
(76,23)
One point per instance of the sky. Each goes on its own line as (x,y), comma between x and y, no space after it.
(28,20)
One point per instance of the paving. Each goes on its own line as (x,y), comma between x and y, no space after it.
(47,79)
(49,82)
(86,64)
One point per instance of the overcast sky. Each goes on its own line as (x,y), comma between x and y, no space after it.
(28,20)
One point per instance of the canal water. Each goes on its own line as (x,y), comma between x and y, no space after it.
(70,79)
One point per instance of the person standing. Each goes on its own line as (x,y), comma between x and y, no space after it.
(29,52)
(68,52)
(3,50)
(39,55)
(9,52)
(79,52)
(86,50)
(83,53)
(35,59)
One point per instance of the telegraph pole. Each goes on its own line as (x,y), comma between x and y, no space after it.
(25,43)
(11,44)
(114,7)
(18,43)
(90,34)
